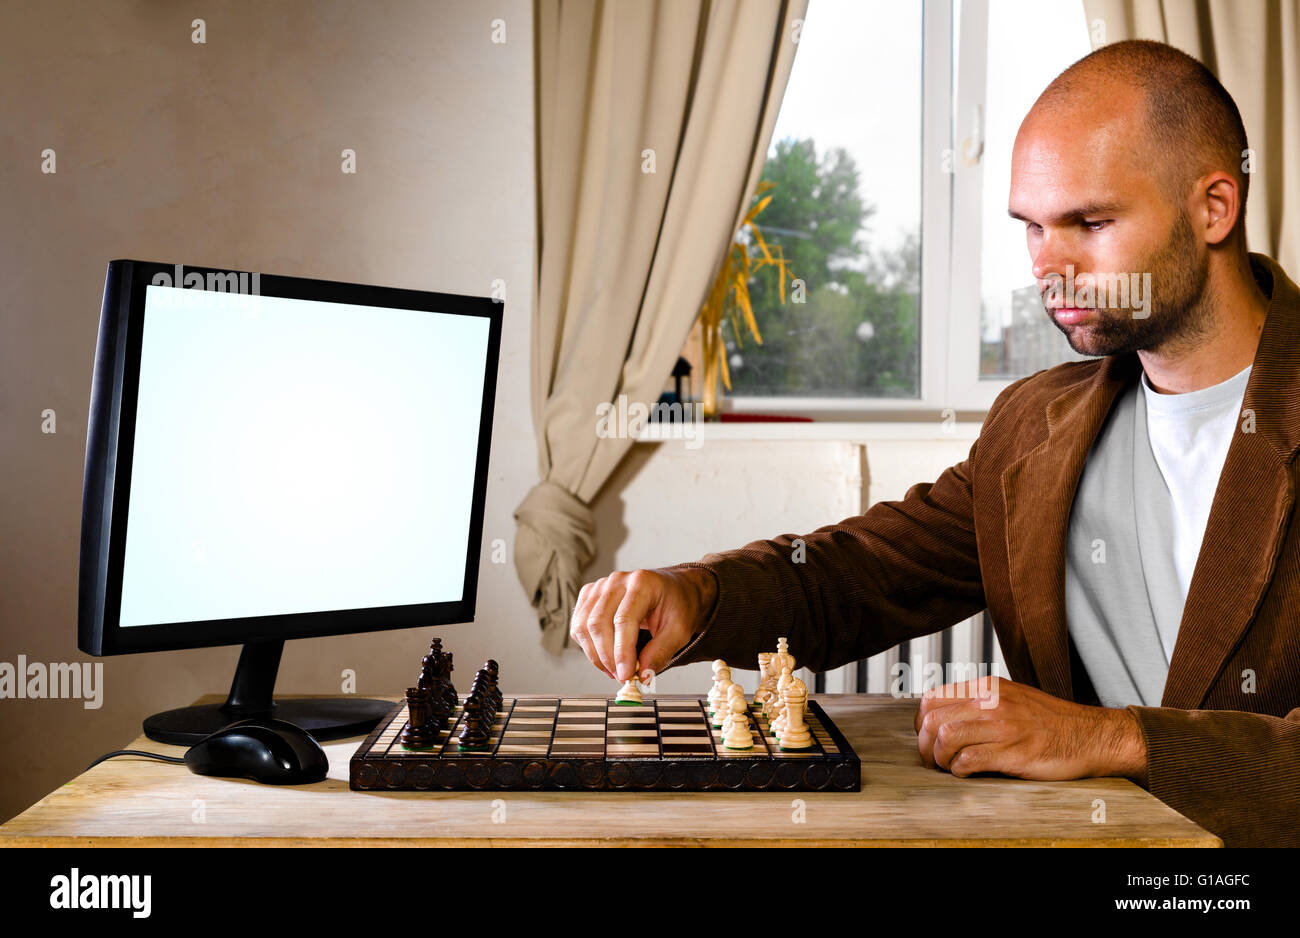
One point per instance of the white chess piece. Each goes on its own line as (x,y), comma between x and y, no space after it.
(795,734)
(766,687)
(724,685)
(764,670)
(629,693)
(786,660)
(778,724)
(734,693)
(724,708)
(715,692)
(738,735)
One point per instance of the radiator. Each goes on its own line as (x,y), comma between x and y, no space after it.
(966,650)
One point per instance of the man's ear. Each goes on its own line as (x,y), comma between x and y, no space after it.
(1220,198)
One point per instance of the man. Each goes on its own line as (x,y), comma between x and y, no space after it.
(1127,521)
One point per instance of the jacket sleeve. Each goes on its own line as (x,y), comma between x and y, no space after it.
(1236,774)
(849,590)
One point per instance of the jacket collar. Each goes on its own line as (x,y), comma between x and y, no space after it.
(1243,535)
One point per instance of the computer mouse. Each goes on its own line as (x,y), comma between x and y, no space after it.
(269,751)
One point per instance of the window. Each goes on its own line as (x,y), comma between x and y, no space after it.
(914,278)
(845,161)
(1015,336)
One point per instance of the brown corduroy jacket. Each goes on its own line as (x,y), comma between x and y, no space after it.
(1223,747)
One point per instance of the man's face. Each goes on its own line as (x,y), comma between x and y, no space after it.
(1115,255)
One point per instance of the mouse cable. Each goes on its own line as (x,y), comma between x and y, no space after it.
(135,752)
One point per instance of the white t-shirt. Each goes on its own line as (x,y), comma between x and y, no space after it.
(1190,434)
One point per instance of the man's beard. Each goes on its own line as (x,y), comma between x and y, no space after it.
(1178,303)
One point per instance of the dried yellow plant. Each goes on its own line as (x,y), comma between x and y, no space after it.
(728,297)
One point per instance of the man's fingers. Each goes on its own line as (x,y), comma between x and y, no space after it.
(578,622)
(931,721)
(932,701)
(638,600)
(978,757)
(954,736)
(600,625)
(657,653)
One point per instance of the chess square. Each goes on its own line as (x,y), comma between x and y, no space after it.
(632,749)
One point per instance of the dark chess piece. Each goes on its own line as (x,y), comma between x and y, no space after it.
(490,672)
(449,689)
(419,733)
(439,710)
(487,710)
(494,698)
(429,666)
(472,734)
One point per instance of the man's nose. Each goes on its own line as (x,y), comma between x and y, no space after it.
(1053,259)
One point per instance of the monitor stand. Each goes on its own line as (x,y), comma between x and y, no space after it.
(250,697)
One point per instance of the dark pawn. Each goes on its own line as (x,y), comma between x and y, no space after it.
(490,671)
(478,690)
(490,708)
(472,735)
(439,711)
(419,733)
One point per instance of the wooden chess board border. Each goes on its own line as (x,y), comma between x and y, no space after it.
(819,770)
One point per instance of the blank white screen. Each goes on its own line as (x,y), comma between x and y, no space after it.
(299,456)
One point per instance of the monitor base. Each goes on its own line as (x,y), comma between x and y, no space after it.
(251,697)
(323,718)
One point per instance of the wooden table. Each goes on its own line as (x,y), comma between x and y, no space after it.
(136,802)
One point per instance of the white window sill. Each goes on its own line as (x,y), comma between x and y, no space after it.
(846,431)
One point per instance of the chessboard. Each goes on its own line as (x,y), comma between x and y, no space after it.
(665,743)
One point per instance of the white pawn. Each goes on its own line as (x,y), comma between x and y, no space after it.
(738,735)
(778,724)
(630,693)
(795,734)
(724,686)
(734,692)
(722,717)
(715,692)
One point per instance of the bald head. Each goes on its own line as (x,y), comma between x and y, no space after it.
(1178,117)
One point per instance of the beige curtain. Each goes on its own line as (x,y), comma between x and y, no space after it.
(653,121)
(1253,46)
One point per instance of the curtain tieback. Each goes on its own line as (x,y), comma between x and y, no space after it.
(554,542)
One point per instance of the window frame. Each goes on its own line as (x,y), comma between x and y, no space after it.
(951,193)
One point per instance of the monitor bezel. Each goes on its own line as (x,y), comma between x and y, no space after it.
(110,439)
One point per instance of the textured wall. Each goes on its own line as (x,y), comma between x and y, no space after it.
(228,154)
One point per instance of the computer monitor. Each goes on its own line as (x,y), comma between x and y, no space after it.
(274,457)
